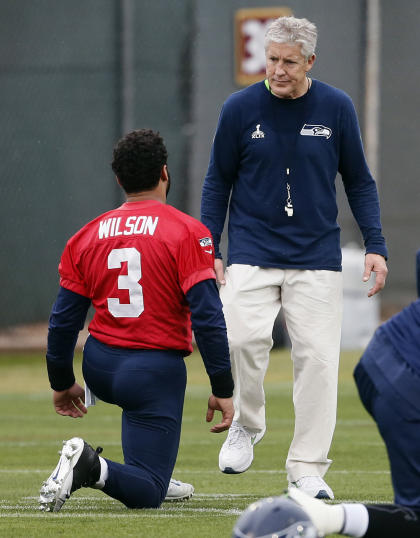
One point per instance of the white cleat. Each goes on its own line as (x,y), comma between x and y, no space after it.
(237,451)
(78,466)
(314,486)
(178,491)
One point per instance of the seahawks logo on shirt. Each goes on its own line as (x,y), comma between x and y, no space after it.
(206,242)
(315,130)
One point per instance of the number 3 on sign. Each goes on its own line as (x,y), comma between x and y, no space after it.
(129,282)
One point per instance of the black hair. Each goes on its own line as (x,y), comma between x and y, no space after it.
(138,159)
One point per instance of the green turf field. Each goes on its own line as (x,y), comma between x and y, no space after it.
(31,435)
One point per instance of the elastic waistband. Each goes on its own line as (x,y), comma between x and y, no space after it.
(167,353)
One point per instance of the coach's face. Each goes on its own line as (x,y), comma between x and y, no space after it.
(286,70)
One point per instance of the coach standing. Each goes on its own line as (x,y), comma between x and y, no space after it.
(277,150)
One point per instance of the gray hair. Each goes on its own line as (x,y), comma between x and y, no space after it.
(294,31)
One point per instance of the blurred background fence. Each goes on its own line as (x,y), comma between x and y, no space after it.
(76,75)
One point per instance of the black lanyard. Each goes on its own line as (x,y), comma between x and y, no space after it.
(291,155)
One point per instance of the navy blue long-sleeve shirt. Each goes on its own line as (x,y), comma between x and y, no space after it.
(403,332)
(258,138)
(393,360)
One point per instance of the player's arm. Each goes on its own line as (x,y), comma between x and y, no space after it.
(208,324)
(67,318)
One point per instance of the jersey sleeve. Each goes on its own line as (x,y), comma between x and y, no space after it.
(195,257)
(69,269)
(67,318)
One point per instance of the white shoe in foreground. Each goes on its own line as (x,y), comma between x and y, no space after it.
(314,486)
(327,518)
(178,491)
(237,451)
(78,466)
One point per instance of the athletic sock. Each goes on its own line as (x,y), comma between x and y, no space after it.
(103,476)
(327,518)
(356,520)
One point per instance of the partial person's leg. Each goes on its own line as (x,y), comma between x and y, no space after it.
(251,302)
(149,386)
(312,306)
(398,420)
(359,520)
(390,520)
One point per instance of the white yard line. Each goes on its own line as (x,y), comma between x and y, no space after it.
(181,511)
(105,515)
(75,510)
(206,472)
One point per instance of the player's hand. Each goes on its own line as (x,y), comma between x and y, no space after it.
(220,273)
(70,402)
(225,405)
(377,264)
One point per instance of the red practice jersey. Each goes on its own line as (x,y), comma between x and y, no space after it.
(136,263)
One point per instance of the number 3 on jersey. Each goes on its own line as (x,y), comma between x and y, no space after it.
(129,282)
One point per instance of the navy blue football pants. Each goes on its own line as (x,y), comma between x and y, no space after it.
(398,421)
(149,386)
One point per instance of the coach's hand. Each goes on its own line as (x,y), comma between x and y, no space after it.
(220,273)
(70,402)
(377,264)
(225,405)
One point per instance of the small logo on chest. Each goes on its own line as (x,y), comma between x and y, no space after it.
(258,133)
(316,130)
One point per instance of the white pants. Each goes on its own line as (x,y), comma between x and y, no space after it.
(312,307)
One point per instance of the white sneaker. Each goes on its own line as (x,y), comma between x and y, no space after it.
(237,451)
(314,486)
(178,491)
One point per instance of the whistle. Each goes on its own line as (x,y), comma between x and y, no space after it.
(289,210)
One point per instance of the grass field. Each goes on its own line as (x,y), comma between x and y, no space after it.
(31,435)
